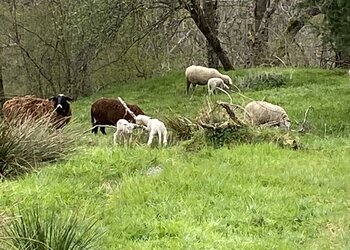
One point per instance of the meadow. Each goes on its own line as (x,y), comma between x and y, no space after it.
(239,196)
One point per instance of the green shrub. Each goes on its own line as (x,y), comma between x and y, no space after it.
(262,80)
(24,146)
(37,229)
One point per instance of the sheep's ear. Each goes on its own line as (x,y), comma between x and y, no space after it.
(69,98)
(51,98)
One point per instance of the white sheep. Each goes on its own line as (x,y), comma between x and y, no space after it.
(261,112)
(124,131)
(200,75)
(215,82)
(154,126)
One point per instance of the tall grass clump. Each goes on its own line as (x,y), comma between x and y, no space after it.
(36,229)
(26,144)
(262,80)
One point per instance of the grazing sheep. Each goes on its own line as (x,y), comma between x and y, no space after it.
(261,112)
(107,111)
(154,126)
(200,75)
(56,109)
(124,131)
(215,82)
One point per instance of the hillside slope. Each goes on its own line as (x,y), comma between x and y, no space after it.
(235,197)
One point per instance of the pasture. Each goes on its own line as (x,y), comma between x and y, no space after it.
(239,196)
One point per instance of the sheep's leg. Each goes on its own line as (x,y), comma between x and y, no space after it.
(103,130)
(165,139)
(115,138)
(150,139)
(95,129)
(159,137)
(130,139)
(188,86)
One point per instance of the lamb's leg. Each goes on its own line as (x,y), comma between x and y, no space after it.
(115,138)
(165,139)
(159,137)
(130,139)
(150,139)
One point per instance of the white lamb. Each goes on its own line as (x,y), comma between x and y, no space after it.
(154,126)
(260,112)
(124,131)
(215,82)
(200,75)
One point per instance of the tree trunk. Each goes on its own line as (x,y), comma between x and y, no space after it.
(342,60)
(263,14)
(209,9)
(200,19)
(294,26)
(259,10)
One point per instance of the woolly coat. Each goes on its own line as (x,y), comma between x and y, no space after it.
(261,112)
(200,75)
(20,108)
(106,111)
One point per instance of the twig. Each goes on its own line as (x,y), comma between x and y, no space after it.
(127,108)
(302,126)
(225,93)
(230,112)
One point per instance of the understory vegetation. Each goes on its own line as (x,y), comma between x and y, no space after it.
(239,189)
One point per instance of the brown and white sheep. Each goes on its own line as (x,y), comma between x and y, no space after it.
(56,109)
(199,75)
(107,111)
(261,112)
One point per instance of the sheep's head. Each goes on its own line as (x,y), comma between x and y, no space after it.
(227,80)
(61,104)
(142,120)
(285,122)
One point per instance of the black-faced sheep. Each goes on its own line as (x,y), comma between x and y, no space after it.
(154,126)
(56,109)
(200,75)
(214,83)
(261,112)
(106,111)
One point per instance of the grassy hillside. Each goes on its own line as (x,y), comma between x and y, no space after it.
(235,197)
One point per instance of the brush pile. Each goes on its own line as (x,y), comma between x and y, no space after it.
(224,123)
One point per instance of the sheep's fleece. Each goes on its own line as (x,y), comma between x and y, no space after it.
(261,112)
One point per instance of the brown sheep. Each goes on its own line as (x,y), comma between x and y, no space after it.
(56,109)
(106,111)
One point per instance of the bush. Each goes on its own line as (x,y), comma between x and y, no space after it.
(34,229)
(214,126)
(31,142)
(262,80)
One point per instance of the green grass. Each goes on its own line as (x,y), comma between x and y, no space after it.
(235,197)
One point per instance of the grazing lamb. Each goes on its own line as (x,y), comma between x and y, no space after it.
(154,126)
(261,112)
(107,111)
(124,131)
(56,109)
(215,82)
(200,75)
